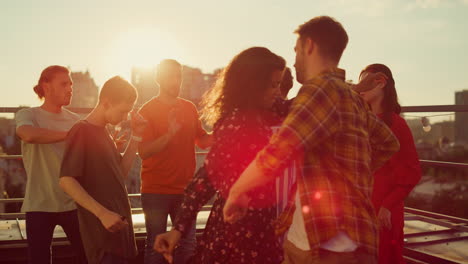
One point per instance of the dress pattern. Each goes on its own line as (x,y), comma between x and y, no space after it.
(237,139)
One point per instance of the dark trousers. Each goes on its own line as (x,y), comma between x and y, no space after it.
(40,228)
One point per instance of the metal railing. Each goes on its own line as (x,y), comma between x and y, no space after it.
(405,109)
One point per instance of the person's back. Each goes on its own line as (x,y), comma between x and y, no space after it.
(338,171)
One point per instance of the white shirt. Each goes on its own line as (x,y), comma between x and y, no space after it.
(298,236)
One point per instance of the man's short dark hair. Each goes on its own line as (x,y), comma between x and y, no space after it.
(328,33)
(166,66)
(118,90)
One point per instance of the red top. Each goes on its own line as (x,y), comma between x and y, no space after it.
(169,171)
(392,183)
(398,176)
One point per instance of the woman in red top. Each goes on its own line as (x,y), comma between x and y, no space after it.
(395,180)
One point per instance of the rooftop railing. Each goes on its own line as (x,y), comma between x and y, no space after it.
(406,109)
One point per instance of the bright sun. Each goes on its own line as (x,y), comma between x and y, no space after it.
(143,48)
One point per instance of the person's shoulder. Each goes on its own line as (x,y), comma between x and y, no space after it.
(186,103)
(27,110)
(189,107)
(149,106)
(70,114)
(25,116)
(399,122)
(322,90)
(79,127)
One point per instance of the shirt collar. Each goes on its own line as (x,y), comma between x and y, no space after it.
(331,72)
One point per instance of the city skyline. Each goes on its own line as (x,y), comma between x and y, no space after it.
(421,41)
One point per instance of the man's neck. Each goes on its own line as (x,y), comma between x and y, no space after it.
(168,99)
(96,117)
(50,107)
(317,68)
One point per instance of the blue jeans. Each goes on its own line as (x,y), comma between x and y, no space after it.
(40,229)
(156,208)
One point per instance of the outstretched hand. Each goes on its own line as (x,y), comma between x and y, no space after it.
(174,126)
(165,244)
(235,208)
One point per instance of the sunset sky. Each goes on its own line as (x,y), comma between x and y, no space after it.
(424,42)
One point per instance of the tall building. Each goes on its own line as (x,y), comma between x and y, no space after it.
(195,84)
(461,118)
(85,90)
(144,80)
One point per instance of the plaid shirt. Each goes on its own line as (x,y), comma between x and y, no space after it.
(342,142)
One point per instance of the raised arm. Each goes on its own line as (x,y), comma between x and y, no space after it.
(312,119)
(30,133)
(138,126)
(152,145)
(37,135)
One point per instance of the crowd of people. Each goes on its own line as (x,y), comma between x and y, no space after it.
(347,156)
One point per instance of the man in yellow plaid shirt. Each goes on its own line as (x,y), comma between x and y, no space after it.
(340,143)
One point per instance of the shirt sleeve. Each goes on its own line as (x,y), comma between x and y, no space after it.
(24,117)
(73,161)
(383,143)
(313,118)
(407,170)
(196,194)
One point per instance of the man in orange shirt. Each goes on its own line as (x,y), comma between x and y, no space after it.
(168,153)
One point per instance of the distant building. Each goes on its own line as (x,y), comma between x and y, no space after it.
(195,84)
(144,80)
(85,90)
(426,142)
(461,118)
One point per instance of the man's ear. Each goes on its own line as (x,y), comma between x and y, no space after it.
(309,46)
(105,103)
(47,87)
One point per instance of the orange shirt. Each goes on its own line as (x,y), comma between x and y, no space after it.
(169,171)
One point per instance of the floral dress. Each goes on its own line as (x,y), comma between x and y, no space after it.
(237,139)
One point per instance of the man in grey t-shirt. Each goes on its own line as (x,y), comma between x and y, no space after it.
(42,131)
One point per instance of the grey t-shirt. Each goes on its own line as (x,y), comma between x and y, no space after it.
(92,158)
(42,161)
